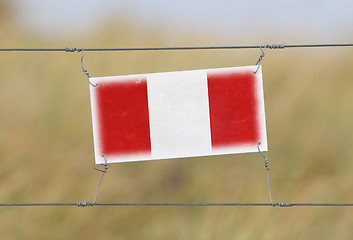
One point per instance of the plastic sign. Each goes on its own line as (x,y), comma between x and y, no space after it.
(178,114)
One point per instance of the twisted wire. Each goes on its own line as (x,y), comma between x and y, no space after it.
(263,154)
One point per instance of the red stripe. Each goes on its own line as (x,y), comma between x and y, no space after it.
(123,117)
(233,107)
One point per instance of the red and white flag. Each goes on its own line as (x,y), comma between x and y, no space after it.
(178,114)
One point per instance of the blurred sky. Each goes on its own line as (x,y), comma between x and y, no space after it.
(239,20)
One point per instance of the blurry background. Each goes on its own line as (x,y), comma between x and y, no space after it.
(46,138)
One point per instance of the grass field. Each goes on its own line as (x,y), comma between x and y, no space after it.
(46,145)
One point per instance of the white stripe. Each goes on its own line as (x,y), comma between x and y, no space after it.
(261,109)
(179,114)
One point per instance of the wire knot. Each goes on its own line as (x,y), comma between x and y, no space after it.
(263,154)
(84,204)
(276,46)
(105,164)
(267,164)
(68,49)
(283,204)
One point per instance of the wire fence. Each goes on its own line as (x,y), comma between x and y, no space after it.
(262,47)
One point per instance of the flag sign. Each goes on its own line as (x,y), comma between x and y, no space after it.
(178,114)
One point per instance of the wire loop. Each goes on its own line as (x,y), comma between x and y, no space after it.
(263,154)
(260,58)
(83,69)
(263,48)
(103,172)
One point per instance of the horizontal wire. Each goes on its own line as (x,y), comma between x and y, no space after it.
(86,204)
(273,46)
(35,204)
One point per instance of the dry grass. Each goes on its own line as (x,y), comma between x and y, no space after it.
(47,148)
